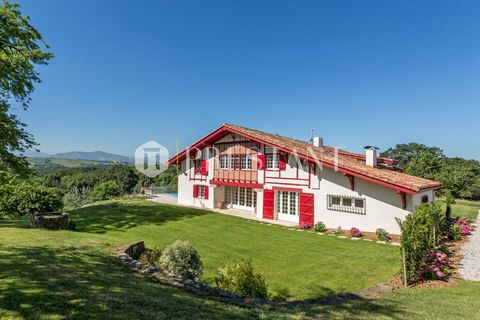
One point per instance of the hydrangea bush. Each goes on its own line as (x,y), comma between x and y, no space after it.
(306,225)
(436,265)
(355,233)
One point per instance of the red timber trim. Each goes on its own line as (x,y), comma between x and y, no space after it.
(403,195)
(351,179)
(223,131)
(287,189)
(268,204)
(287,183)
(237,184)
(306,208)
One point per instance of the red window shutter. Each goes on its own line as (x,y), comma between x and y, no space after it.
(261,162)
(268,204)
(306,208)
(205,192)
(204,170)
(282,161)
(195,191)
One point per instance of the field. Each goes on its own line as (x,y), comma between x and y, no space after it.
(465,208)
(52,163)
(72,274)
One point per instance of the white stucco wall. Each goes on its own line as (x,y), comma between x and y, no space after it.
(383,205)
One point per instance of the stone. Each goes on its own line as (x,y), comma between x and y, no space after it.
(52,221)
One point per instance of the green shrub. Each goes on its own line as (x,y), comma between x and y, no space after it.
(337,231)
(105,191)
(382,235)
(76,198)
(421,232)
(320,227)
(27,199)
(72,225)
(181,259)
(151,257)
(241,279)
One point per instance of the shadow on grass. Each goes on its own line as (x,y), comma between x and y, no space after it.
(85,282)
(79,283)
(122,216)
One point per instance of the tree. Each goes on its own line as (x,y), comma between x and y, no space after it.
(27,198)
(125,176)
(21,49)
(104,191)
(426,165)
(461,177)
(405,152)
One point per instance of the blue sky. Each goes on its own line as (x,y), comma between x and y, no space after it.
(360,72)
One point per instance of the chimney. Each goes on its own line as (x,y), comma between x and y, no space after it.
(371,156)
(317,141)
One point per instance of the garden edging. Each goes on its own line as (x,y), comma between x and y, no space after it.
(124,256)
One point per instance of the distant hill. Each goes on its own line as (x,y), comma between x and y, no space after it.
(58,163)
(82,155)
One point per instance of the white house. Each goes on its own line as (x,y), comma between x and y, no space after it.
(296,181)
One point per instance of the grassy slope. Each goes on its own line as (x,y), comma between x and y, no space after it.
(290,260)
(49,275)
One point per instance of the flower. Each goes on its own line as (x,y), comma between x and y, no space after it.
(356,233)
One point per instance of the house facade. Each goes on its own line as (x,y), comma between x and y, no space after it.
(280,178)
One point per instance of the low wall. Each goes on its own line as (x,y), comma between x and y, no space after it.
(49,221)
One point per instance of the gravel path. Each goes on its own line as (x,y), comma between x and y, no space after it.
(470,269)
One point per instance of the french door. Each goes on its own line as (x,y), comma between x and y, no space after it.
(240,198)
(287,206)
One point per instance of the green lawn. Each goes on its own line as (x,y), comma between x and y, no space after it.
(62,274)
(299,263)
(465,208)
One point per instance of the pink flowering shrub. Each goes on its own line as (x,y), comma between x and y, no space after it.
(466,230)
(436,265)
(459,228)
(306,225)
(355,233)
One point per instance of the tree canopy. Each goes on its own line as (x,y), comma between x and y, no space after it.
(405,152)
(21,49)
(460,177)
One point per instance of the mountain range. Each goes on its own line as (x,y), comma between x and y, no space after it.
(82,155)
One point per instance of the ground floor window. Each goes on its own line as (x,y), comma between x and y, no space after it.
(201,192)
(240,196)
(346,204)
(287,203)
